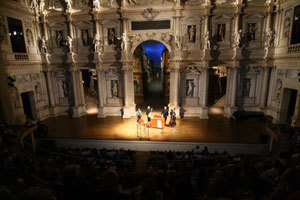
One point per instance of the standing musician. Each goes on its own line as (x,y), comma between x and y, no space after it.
(165,113)
(173,118)
(139,115)
(149,116)
(148,110)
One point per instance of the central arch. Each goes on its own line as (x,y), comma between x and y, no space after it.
(151,74)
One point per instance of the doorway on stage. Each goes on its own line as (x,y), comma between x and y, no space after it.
(151,75)
(89,81)
(217,90)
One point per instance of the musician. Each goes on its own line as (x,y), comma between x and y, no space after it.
(149,116)
(173,118)
(139,115)
(165,113)
(148,110)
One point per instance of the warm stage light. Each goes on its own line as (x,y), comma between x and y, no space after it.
(93,110)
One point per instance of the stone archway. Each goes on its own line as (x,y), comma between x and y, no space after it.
(151,73)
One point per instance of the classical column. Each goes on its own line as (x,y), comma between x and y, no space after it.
(205,79)
(174,80)
(74,87)
(129,105)
(295,118)
(271,86)
(81,90)
(50,88)
(228,87)
(234,87)
(264,91)
(100,93)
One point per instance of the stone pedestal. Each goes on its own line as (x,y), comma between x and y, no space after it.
(129,111)
(237,53)
(101,113)
(206,54)
(78,111)
(204,113)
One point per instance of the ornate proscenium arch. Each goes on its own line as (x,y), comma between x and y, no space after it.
(136,44)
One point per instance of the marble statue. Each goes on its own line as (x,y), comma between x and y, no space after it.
(42,6)
(59,39)
(124,41)
(114,89)
(192,32)
(96,4)
(43,45)
(98,44)
(33,4)
(221,32)
(178,43)
(69,5)
(238,38)
(251,31)
(111,36)
(269,38)
(207,40)
(189,91)
(70,43)
(85,37)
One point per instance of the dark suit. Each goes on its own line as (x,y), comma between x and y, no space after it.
(165,113)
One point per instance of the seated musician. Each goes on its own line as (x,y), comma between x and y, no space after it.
(172,118)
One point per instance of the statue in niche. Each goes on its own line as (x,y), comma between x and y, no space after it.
(114,89)
(238,38)
(251,31)
(98,44)
(269,38)
(124,42)
(96,4)
(29,37)
(111,36)
(43,45)
(69,43)
(192,33)
(69,5)
(3,34)
(85,37)
(221,32)
(14,96)
(59,38)
(33,4)
(207,40)
(62,89)
(246,87)
(42,6)
(190,88)
(178,42)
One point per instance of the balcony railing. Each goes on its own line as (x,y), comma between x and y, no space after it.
(21,56)
(294,48)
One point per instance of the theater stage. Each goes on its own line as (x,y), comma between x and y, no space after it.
(216,129)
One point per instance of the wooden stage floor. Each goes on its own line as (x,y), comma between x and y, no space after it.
(216,129)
